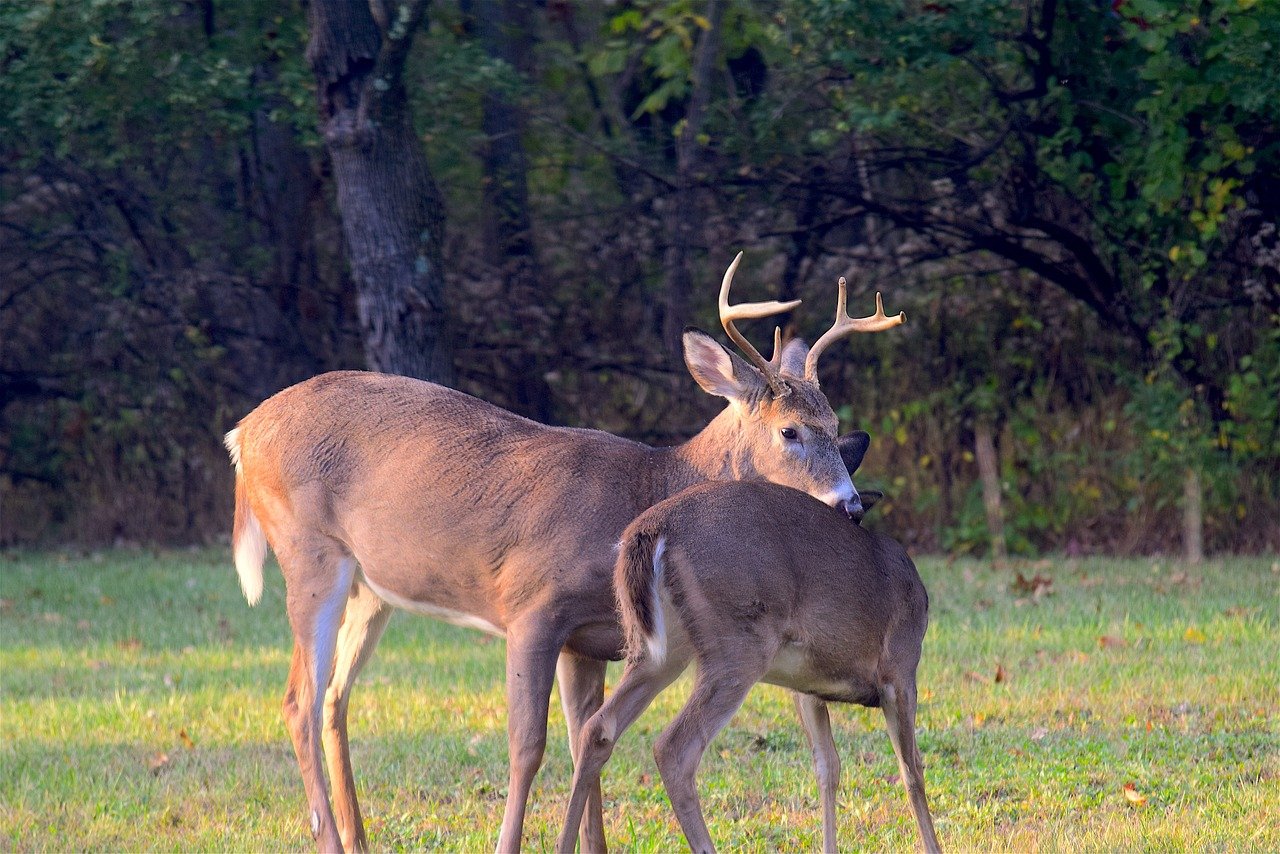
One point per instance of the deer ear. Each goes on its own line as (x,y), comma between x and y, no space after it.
(853,447)
(793,356)
(718,371)
(869,498)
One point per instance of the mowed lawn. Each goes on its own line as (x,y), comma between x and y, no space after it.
(1085,705)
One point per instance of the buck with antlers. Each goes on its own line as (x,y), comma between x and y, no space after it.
(759,583)
(379,492)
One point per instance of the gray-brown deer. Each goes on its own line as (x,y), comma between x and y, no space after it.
(759,583)
(379,492)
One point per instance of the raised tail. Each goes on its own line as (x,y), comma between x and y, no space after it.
(638,579)
(248,542)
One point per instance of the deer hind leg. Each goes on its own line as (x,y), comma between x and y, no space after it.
(640,683)
(532,650)
(898,701)
(319,581)
(717,694)
(362,625)
(581,683)
(826,761)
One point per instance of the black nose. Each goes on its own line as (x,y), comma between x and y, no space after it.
(853,509)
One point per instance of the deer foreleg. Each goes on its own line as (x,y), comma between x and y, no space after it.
(531,666)
(899,705)
(581,682)
(826,761)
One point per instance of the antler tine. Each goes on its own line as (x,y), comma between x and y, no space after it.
(729,314)
(846,325)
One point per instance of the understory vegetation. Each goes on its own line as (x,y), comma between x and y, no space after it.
(1075,203)
(1066,705)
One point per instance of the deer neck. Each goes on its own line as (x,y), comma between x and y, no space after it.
(716,453)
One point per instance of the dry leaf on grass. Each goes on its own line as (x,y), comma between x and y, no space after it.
(1133,796)
(1193,635)
(1037,585)
(157,763)
(1112,642)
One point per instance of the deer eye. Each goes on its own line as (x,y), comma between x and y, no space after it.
(789,433)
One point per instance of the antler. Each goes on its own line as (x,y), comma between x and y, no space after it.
(750,310)
(846,325)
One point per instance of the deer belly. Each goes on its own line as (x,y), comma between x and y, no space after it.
(792,667)
(427,609)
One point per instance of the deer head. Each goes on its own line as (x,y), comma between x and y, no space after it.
(784,427)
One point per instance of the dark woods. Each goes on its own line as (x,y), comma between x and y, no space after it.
(1076,204)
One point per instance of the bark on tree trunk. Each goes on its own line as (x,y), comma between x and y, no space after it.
(984,449)
(392,216)
(681,214)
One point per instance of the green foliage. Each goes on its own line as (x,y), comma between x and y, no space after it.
(113,82)
(1074,212)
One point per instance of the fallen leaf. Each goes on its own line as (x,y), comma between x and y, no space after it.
(1133,796)
(157,763)
(1037,585)
(186,740)
(130,644)
(973,676)
(1193,635)
(1112,642)
(1039,733)
(1001,674)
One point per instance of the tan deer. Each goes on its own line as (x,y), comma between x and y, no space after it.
(759,583)
(379,492)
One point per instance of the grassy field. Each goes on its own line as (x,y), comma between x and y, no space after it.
(1093,705)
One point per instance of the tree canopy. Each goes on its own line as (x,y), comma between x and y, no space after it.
(1076,203)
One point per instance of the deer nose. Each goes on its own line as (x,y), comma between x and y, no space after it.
(853,509)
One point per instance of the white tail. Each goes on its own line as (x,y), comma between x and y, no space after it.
(442,504)
(248,542)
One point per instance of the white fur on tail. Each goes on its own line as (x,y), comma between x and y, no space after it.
(250,544)
(232,441)
(250,549)
(657,643)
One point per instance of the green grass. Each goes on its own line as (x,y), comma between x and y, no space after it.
(139,709)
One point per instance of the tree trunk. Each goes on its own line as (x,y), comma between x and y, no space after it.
(984,448)
(392,216)
(505,28)
(681,215)
(1192,517)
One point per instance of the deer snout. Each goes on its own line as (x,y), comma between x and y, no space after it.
(845,497)
(853,509)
